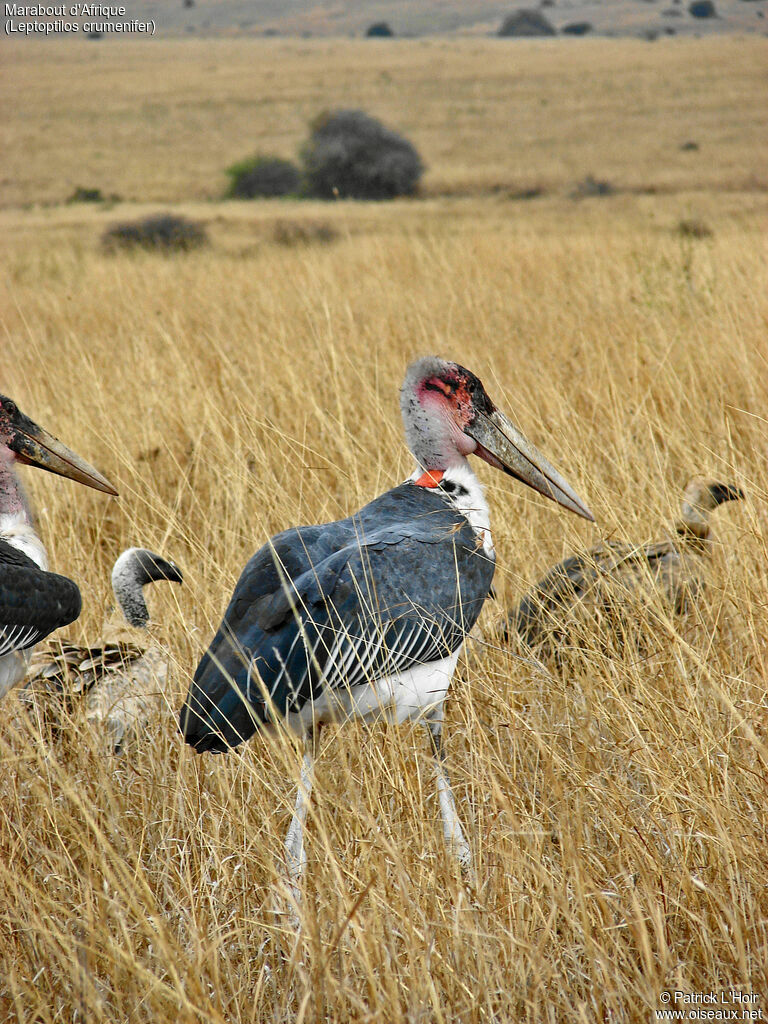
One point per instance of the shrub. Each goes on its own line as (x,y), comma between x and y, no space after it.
(86,195)
(162,232)
(702,9)
(351,155)
(577,28)
(527,193)
(379,30)
(590,186)
(297,232)
(526,23)
(694,229)
(262,177)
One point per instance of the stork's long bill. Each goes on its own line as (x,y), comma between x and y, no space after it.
(34,446)
(448,415)
(501,444)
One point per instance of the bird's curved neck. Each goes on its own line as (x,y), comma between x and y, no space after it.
(693,531)
(130,598)
(129,592)
(431,433)
(694,521)
(12,500)
(16,525)
(463,490)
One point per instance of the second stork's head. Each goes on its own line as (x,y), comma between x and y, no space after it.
(24,442)
(702,496)
(133,570)
(448,416)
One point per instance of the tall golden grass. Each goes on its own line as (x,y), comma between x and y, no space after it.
(617,816)
(159,120)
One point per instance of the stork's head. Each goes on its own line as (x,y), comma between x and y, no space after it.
(448,416)
(23,441)
(701,497)
(133,570)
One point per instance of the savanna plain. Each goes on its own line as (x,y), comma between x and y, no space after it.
(617,811)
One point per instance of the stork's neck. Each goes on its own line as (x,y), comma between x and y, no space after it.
(695,512)
(16,525)
(11,495)
(130,596)
(431,433)
(463,490)
(128,581)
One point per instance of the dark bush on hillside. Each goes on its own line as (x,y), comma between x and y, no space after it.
(526,23)
(261,177)
(589,187)
(379,30)
(163,232)
(694,229)
(350,155)
(577,28)
(702,9)
(92,195)
(295,232)
(86,195)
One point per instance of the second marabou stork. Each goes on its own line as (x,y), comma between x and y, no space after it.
(33,601)
(596,595)
(366,617)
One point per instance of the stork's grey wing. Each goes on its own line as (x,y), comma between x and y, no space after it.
(579,577)
(398,584)
(32,602)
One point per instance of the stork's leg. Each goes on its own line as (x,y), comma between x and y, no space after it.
(295,855)
(453,833)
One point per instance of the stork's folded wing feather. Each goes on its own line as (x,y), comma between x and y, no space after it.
(32,604)
(332,606)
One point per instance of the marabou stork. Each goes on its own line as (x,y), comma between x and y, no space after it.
(122,679)
(33,601)
(366,617)
(596,590)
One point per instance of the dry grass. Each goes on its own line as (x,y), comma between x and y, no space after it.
(618,817)
(484,114)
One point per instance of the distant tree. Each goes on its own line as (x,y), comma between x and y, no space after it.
(526,23)
(262,177)
(86,195)
(303,232)
(591,186)
(352,155)
(694,229)
(702,9)
(379,29)
(577,28)
(163,232)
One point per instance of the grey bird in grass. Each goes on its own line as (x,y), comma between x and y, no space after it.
(33,601)
(591,590)
(122,679)
(366,617)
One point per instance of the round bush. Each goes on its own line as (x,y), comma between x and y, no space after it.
(350,155)
(261,177)
(379,30)
(702,9)
(162,232)
(526,23)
